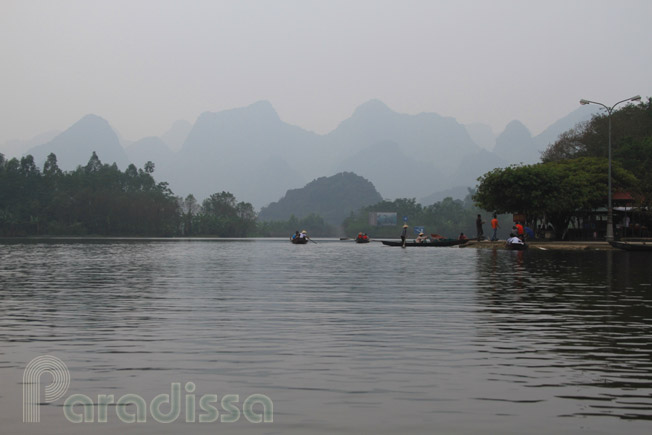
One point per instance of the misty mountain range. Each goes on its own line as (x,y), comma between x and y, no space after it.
(253,154)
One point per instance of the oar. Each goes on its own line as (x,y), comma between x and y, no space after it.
(313,241)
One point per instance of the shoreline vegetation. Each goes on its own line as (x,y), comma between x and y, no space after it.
(100,200)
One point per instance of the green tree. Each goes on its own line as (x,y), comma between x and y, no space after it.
(631,139)
(189,210)
(50,167)
(221,215)
(94,164)
(557,191)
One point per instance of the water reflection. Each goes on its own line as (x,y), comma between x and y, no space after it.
(587,313)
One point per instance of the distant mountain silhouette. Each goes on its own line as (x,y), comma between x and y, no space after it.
(75,146)
(149,149)
(458,192)
(233,149)
(426,137)
(551,134)
(474,166)
(270,179)
(333,198)
(177,134)
(252,153)
(482,135)
(393,170)
(16,148)
(228,149)
(515,144)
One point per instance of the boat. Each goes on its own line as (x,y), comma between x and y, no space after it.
(362,239)
(516,246)
(632,245)
(300,238)
(431,244)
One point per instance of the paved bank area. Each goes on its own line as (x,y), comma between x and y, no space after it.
(544,245)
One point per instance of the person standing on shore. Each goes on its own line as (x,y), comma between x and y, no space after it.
(478,226)
(494,225)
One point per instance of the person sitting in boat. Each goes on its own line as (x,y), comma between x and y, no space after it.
(295,235)
(462,237)
(513,240)
(420,238)
(303,235)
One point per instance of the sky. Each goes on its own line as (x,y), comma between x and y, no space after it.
(143,64)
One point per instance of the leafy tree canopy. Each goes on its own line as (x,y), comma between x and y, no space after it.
(554,190)
(631,143)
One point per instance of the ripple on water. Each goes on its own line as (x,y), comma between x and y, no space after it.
(386,339)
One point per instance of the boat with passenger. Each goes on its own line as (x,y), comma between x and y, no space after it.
(299,238)
(362,238)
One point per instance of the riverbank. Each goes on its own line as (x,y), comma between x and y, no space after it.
(544,245)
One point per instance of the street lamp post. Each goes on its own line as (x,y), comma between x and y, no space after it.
(610,222)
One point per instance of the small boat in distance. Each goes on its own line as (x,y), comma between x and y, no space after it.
(632,245)
(362,238)
(299,238)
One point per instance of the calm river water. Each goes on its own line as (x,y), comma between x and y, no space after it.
(341,338)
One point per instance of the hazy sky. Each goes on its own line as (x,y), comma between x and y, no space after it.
(143,64)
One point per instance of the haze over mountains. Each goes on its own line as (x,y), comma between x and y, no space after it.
(253,154)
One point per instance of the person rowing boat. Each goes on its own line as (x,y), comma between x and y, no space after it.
(404,235)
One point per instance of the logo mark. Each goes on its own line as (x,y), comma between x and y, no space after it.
(44,364)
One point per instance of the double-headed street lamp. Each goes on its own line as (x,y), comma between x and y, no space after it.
(610,222)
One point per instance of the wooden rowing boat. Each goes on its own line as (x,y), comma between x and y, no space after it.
(430,244)
(633,245)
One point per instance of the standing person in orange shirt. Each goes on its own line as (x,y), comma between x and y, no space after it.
(494,225)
